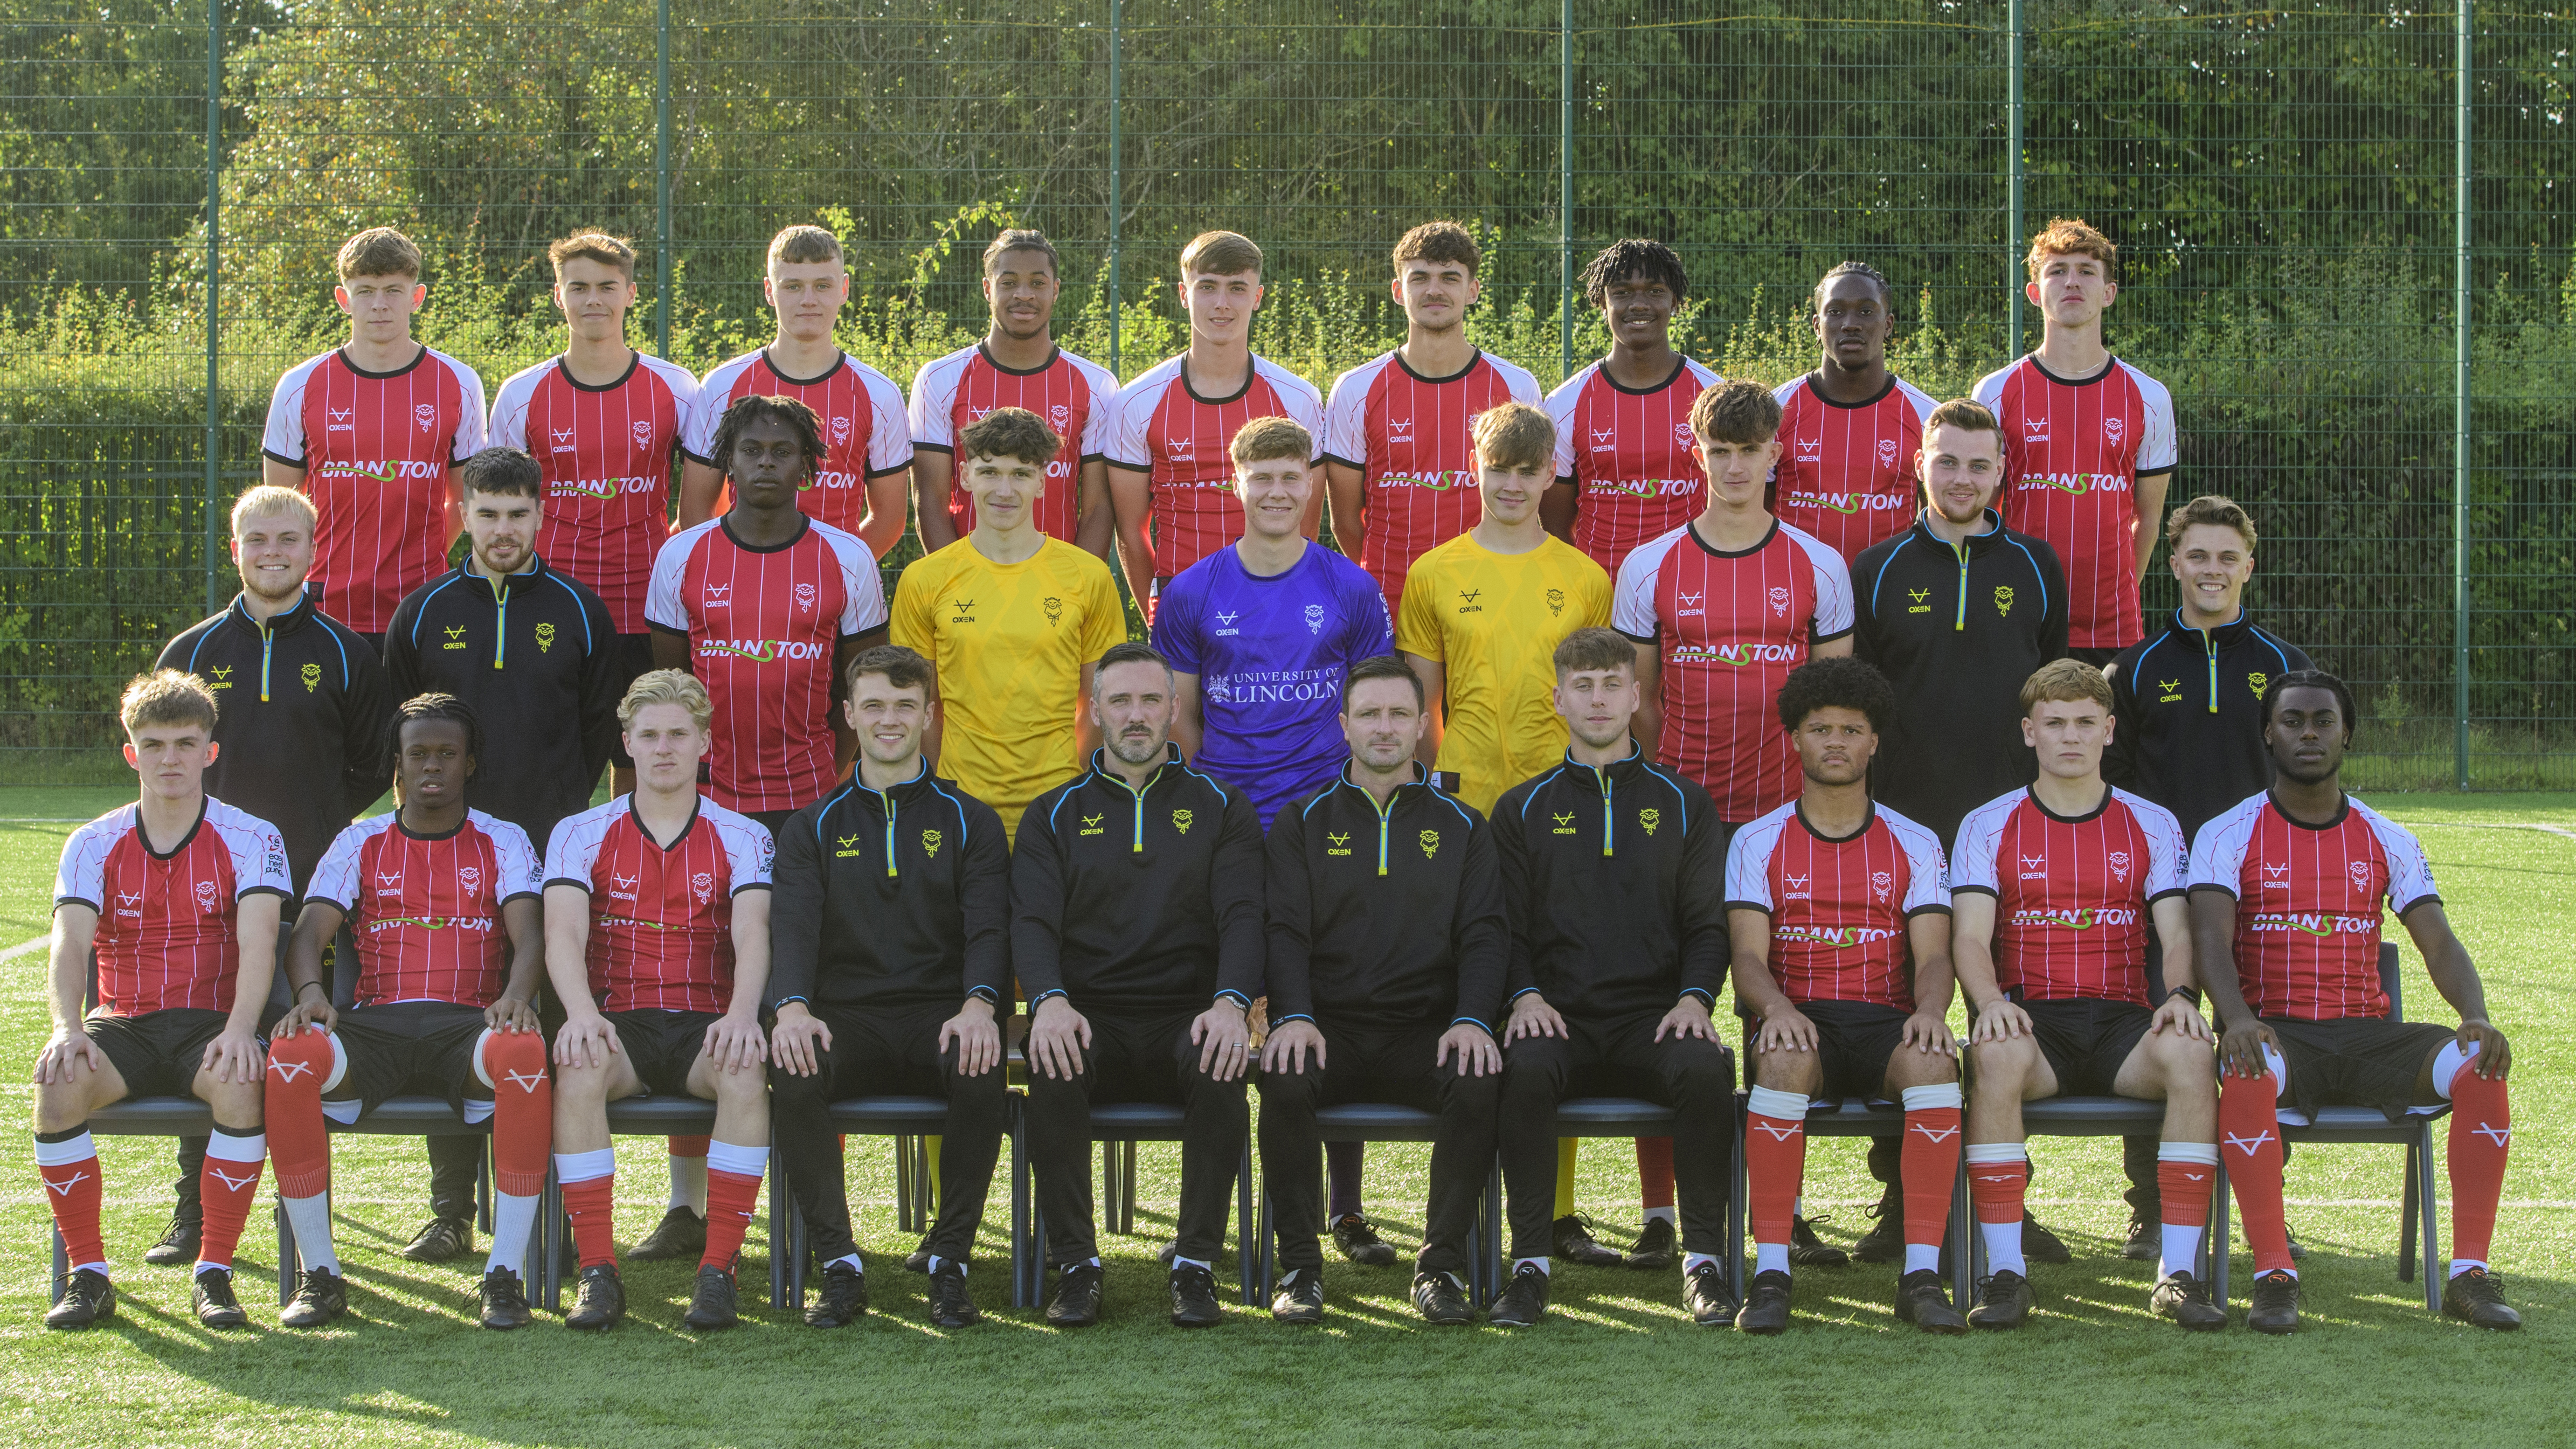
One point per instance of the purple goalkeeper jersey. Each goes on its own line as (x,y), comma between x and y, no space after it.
(1269,655)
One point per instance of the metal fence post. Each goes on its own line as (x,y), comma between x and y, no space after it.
(214,326)
(2012,178)
(2460,426)
(1117,190)
(1565,191)
(665,264)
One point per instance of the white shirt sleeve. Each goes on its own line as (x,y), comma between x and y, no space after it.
(258,851)
(518,862)
(662,602)
(927,413)
(2410,875)
(469,423)
(1523,385)
(335,881)
(283,439)
(1560,411)
(698,432)
(1927,883)
(574,850)
(82,874)
(890,432)
(1346,416)
(1125,444)
(1833,588)
(2168,857)
(1105,397)
(2160,442)
(864,590)
(1748,864)
(1972,865)
(750,849)
(509,427)
(1632,600)
(2218,856)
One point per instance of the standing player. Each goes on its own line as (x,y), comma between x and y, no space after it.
(1171,478)
(178,897)
(369,431)
(2089,441)
(1850,430)
(657,944)
(1012,620)
(1827,898)
(2051,889)
(442,902)
(1017,365)
(1626,469)
(2286,894)
(1397,452)
(768,606)
(862,484)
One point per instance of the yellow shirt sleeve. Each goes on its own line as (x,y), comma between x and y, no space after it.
(1597,591)
(1104,619)
(1417,627)
(909,621)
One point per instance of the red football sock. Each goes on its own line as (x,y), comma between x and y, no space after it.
(69,1166)
(523,1110)
(733,1192)
(589,1205)
(298,1142)
(228,1185)
(1655,1172)
(1775,1162)
(2249,1144)
(690,1146)
(2183,1189)
(2481,1131)
(1995,1189)
(1930,1161)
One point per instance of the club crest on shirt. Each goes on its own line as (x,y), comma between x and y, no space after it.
(2359,870)
(209,899)
(1683,436)
(1564,824)
(1887,452)
(2120,866)
(2258,682)
(545,638)
(1648,819)
(703,886)
(2113,426)
(1337,844)
(312,677)
(1181,821)
(643,428)
(469,879)
(840,431)
(1780,602)
(930,843)
(1430,841)
(426,415)
(1880,883)
(1555,603)
(2003,601)
(1061,416)
(1314,618)
(1054,610)
(804,598)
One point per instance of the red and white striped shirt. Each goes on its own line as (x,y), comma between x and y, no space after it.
(2073,455)
(2307,903)
(2071,895)
(1730,627)
(426,909)
(1632,457)
(375,448)
(166,928)
(1408,436)
(661,918)
(1181,441)
(1846,473)
(865,434)
(762,626)
(605,453)
(1071,392)
(1838,908)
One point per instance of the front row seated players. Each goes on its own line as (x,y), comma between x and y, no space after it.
(442,903)
(657,944)
(2286,890)
(1388,946)
(179,896)
(890,957)
(1136,931)
(1825,896)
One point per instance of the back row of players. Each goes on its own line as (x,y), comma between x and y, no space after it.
(770,611)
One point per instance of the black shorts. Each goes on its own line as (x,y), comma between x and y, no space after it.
(157,1053)
(630,656)
(402,1047)
(2359,1061)
(663,1045)
(1855,1040)
(2086,1039)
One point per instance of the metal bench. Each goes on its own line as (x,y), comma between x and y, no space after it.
(1384,1122)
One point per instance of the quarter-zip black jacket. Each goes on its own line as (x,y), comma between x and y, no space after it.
(1393,915)
(1957,631)
(1617,883)
(1138,902)
(531,653)
(891,901)
(300,712)
(2190,708)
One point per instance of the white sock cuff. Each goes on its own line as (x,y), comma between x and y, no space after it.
(65,1152)
(960,1266)
(735,1158)
(1177,1261)
(347,1113)
(1987,1154)
(2279,1067)
(2462,1265)
(226,1146)
(850,1258)
(2204,1154)
(1691,1261)
(2447,1063)
(572,1167)
(478,1110)
(1665,1213)
(1774,1103)
(1934,1097)
(1542,1264)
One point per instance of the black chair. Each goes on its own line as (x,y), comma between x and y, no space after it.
(908,1120)
(1119,1125)
(1383,1122)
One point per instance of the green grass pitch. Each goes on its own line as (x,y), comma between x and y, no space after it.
(1617,1363)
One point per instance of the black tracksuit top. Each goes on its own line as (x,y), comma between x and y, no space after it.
(891,901)
(2190,708)
(301,708)
(1957,631)
(1617,883)
(531,653)
(1138,902)
(1386,916)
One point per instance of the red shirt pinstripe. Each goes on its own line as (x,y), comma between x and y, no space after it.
(2308,901)
(661,919)
(1163,428)
(2073,454)
(605,453)
(1071,392)
(865,435)
(2071,895)
(1632,457)
(762,625)
(1846,474)
(426,909)
(167,934)
(375,448)
(1838,908)
(1730,627)
(1407,434)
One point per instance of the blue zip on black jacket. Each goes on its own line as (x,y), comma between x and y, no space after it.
(2190,708)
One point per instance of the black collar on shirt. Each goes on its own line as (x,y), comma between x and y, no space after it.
(1101,772)
(1617,772)
(902,791)
(466,574)
(2093,814)
(697,808)
(804,524)
(2343,811)
(634,360)
(1475,356)
(2110,365)
(284,621)
(1420,783)
(839,360)
(1866,821)
(2225,636)
(1978,542)
(995,363)
(417,359)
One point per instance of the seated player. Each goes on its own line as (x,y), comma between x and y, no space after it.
(1136,931)
(2286,891)
(442,902)
(178,895)
(1827,897)
(657,944)
(2051,891)
(1615,870)
(1386,975)
(890,961)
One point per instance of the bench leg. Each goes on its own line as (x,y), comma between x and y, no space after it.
(1965,1241)
(286,1255)
(62,1268)
(483,1191)
(925,1183)
(1247,1266)
(1490,1263)
(2430,1207)
(2221,1201)
(559,1250)
(1269,1258)
(1127,1184)
(903,1186)
(1111,1200)
(2409,1225)
(1023,1252)
(782,1227)
(1735,1211)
